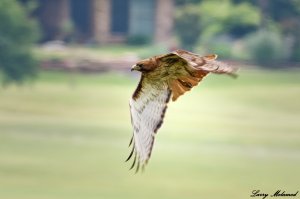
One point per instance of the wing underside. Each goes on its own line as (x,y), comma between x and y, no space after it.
(147,113)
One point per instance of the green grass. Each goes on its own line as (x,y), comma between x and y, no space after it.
(66,137)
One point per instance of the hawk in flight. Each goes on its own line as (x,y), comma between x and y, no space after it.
(164,77)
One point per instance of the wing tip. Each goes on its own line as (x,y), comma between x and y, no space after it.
(210,57)
(130,155)
(233,72)
(137,161)
(133,162)
(233,75)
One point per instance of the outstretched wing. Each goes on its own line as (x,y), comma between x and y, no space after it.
(147,107)
(186,70)
(206,63)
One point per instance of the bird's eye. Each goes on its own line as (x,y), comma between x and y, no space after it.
(141,65)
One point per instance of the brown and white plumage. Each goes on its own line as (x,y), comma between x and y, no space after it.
(164,76)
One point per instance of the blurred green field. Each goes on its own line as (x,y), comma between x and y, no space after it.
(66,137)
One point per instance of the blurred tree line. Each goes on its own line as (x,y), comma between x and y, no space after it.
(265,31)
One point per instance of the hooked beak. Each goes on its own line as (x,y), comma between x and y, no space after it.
(135,67)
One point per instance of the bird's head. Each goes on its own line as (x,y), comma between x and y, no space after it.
(145,65)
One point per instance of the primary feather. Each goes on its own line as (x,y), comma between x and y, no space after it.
(164,76)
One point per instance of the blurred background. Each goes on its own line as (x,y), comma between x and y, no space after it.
(64,115)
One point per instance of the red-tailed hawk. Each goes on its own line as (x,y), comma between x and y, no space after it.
(164,77)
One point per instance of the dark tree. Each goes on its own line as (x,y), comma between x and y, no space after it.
(286,14)
(17,35)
